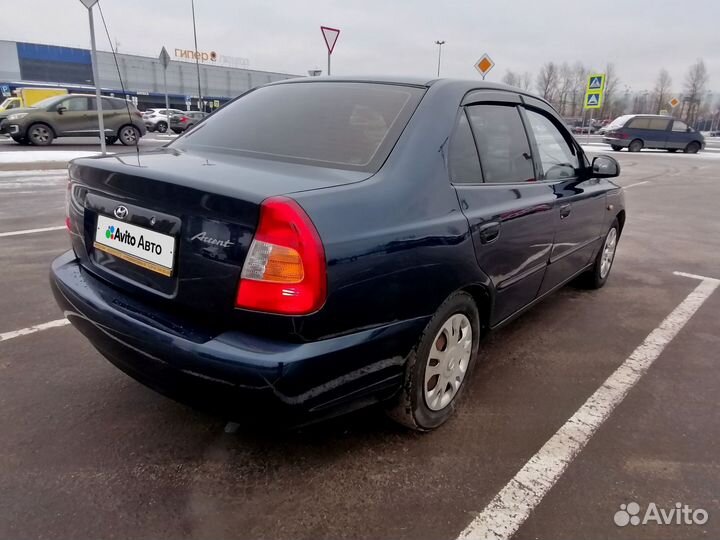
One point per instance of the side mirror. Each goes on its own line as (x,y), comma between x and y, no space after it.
(61,109)
(605,167)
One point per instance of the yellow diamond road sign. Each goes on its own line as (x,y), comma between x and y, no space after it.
(674,102)
(484,65)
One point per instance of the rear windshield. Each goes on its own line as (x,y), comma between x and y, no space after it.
(619,121)
(342,125)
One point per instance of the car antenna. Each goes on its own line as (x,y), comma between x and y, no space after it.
(122,86)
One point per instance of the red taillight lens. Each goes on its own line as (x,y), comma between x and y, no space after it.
(284,271)
(68,195)
(184,119)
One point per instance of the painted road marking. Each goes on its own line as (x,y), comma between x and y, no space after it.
(636,184)
(509,509)
(32,231)
(32,329)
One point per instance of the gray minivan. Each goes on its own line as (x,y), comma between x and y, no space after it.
(638,131)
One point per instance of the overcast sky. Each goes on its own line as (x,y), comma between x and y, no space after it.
(397,36)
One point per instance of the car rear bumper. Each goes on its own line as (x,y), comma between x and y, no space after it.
(236,374)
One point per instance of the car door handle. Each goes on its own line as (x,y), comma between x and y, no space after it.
(489,232)
(565,211)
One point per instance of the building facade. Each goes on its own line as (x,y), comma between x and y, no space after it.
(33,64)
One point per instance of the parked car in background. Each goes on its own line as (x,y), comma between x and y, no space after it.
(313,262)
(638,131)
(73,115)
(184,121)
(157,119)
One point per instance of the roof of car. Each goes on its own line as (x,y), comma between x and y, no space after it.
(467,84)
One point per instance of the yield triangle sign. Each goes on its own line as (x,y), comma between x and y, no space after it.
(592,99)
(330,35)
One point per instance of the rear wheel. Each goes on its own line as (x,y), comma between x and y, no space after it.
(177,131)
(616,147)
(129,135)
(636,146)
(597,276)
(438,368)
(161,126)
(40,134)
(692,148)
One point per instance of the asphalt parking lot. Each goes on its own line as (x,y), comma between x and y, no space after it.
(87,452)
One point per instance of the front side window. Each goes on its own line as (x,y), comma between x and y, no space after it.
(76,104)
(331,124)
(502,143)
(557,157)
(464,162)
(679,126)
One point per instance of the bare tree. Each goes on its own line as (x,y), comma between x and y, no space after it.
(565,86)
(662,90)
(511,78)
(526,81)
(547,81)
(695,82)
(611,106)
(579,79)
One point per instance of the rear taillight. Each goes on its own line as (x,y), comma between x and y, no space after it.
(184,119)
(284,271)
(68,195)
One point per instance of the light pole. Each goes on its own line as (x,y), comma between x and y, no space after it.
(439,44)
(93,52)
(197,60)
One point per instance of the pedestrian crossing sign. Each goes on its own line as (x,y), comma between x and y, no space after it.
(593,100)
(596,81)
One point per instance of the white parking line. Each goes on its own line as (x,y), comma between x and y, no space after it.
(31,231)
(32,329)
(636,184)
(509,509)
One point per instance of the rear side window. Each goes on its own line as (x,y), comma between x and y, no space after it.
(557,157)
(659,124)
(502,143)
(639,123)
(464,162)
(342,125)
(679,126)
(77,104)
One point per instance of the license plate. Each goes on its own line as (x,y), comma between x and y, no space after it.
(138,245)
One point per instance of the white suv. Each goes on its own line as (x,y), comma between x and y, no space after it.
(157,119)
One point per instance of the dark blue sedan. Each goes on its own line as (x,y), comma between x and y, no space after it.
(323,244)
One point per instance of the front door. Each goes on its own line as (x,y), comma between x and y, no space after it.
(72,116)
(579,200)
(509,213)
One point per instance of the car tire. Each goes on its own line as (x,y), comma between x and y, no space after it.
(426,402)
(616,148)
(692,148)
(635,146)
(597,276)
(129,135)
(177,131)
(161,127)
(40,134)
(21,140)
(111,139)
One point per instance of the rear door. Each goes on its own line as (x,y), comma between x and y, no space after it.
(579,200)
(509,212)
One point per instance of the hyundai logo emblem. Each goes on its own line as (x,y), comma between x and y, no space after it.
(121,212)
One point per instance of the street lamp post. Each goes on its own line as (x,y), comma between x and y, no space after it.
(96,78)
(197,60)
(439,44)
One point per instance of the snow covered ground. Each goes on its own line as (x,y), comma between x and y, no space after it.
(42,156)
